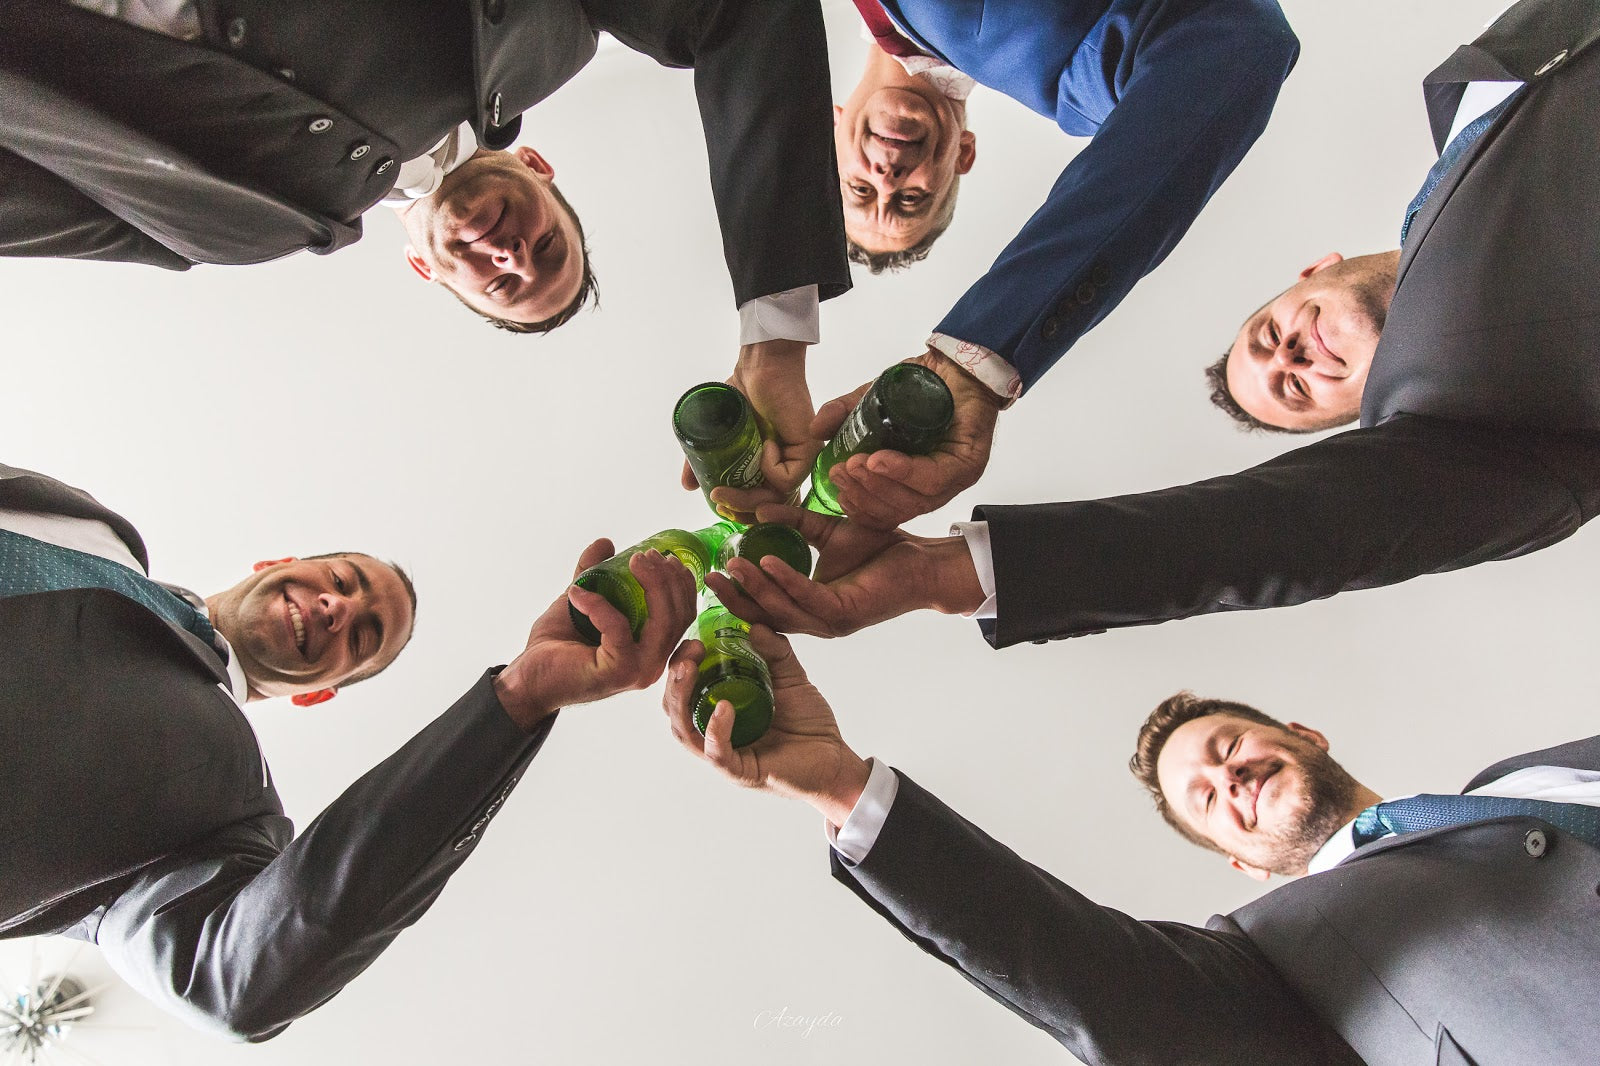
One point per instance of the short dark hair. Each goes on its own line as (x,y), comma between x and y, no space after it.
(587,287)
(411,594)
(1172,712)
(878,262)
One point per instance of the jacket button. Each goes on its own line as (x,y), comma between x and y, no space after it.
(494,10)
(1085,293)
(1552,63)
(320,124)
(383,166)
(360,150)
(1534,843)
(236,32)
(494,110)
(1052,326)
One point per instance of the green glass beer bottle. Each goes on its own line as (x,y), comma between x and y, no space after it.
(613,580)
(717,429)
(907,410)
(763,539)
(732,671)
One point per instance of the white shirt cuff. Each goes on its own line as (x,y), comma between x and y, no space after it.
(783,316)
(855,838)
(988,367)
(976,534)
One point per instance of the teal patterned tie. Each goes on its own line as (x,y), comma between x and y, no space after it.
(28,566)
(1434,812)
(1452,152)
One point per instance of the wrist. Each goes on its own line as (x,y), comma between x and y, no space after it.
(951,578)
(772,354)
(835,801)
(518,696)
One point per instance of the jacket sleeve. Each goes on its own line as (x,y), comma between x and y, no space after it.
(242,935)
(761,77)
(45,217)
(1362,509)
(1185,99)
(1110,988)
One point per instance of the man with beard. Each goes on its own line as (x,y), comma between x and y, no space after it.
(140,812)
(1428,929)
(1471,355)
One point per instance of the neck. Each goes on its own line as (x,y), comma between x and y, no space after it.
(1363,799)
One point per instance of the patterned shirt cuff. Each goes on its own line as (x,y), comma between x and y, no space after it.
(1000,376)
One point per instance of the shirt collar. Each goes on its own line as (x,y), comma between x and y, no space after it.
(238,684)
(1338,848)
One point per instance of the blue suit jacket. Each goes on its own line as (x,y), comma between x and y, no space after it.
(1173,92)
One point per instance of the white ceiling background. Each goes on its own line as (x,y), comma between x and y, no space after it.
(628,906)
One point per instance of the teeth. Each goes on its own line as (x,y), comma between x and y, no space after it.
(299,626)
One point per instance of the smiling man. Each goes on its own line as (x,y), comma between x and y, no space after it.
(140,810)
(1429,927)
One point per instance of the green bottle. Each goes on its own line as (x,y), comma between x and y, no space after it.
(717,429)
(763,539)
(613,580)
(907,410)
(732,671)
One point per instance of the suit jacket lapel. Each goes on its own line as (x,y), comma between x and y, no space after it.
(25,490)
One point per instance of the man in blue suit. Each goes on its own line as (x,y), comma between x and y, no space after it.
(1172,93)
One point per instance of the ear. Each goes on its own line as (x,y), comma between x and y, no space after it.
(534,161)
(424,271)
(838,113)
(263,564)
(1321,264)
(967,153)
(311,699)
(1255,873)
(1305,732)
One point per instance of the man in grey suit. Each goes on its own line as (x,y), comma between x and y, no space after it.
(1479,407)
(1472,942)
(140,812)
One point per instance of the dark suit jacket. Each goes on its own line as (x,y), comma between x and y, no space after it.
(291,118)
(1455,946)
(1480,423)
(1173,93)
(140,812)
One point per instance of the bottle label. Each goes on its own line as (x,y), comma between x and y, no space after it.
(734,644)
(692,561)
(847,441)
(745,471)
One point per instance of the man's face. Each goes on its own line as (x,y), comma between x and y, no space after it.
(1301,361)
(1268,797)
(299,625)
(495,234)
(899,152)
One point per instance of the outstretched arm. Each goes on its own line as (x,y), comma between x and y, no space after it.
(244,932)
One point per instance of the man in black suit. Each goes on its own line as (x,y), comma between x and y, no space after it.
(239,131)
(140,812)
(1479,405)
(1472,942)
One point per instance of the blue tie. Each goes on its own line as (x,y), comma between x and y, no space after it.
(28,566)
(1434,812)
(1452,153)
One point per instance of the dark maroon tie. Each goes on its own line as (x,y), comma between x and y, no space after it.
(883,30)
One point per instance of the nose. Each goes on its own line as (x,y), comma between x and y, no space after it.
(887,162)
(335,610)
(507,253)
(1292,352)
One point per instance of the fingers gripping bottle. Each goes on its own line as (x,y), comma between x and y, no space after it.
(613,580)
(732,669)
(720,437)
(908,409)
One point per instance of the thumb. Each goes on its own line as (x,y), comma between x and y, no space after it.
(831,415)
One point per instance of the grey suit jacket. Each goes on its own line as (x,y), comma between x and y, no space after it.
(140,812)
(1480,425)
(289,118)
(1456,946)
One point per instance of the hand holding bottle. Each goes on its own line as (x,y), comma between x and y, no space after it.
(802,755)
(863,576)
(887,488)
(559,669)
